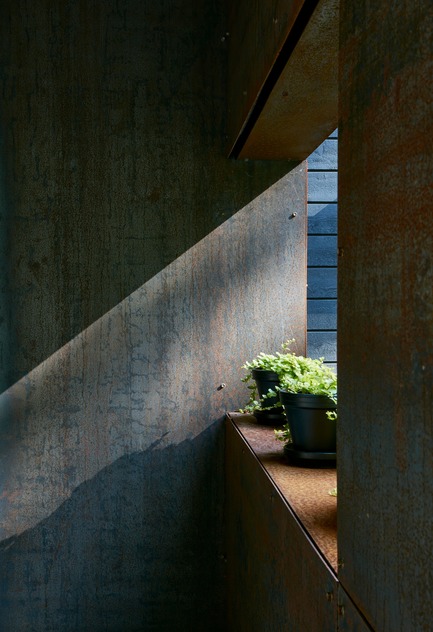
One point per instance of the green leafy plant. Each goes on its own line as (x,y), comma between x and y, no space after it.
(308,375)
(283,434)
(279,363)
(296,374)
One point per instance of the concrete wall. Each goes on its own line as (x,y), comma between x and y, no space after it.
(111,456)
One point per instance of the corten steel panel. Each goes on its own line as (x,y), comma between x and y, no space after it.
(296,108)
(256,34)
(113,124)
(306,489)
(385,337)
(276,579)
(348,617)
(112,457)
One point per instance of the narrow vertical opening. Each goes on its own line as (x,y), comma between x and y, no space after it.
(322,251)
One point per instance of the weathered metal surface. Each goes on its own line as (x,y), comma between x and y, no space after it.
(385,353)
(305,489)
(113,122)
(348,617)
(255,35)
(291,117)
(276,579)
(111,452)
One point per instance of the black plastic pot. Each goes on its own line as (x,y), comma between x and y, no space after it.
(310,427)
(266,380)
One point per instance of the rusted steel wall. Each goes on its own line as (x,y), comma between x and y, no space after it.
(255,34)
(348,616)
(119,207)
(297,106)
(112,458)
(112,129)
(276,579)
(385,349)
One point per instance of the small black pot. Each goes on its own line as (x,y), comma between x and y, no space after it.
(310,427)
(266,380)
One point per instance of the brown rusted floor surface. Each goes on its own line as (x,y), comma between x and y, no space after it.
(306,489)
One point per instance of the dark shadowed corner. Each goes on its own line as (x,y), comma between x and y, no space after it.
(6,302)
(171,497)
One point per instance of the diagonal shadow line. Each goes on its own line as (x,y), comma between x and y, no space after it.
(152,365)
(156,514)
(166,271)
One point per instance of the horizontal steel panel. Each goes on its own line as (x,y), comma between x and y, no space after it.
(292,107)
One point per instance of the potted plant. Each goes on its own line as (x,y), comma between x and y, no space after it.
(308,395)
(263,378)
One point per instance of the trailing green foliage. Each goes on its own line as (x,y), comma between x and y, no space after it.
(283,434)
(307,375)
(279,363)
(296,374)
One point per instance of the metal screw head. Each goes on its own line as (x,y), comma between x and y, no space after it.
(293,215)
